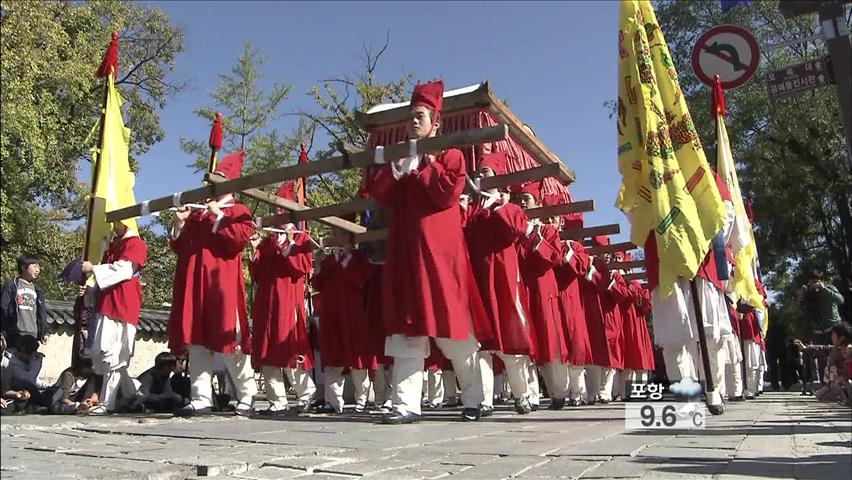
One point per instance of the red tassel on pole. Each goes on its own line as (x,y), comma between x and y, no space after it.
(109,64)
(215,141)
(303,154)
(717,102)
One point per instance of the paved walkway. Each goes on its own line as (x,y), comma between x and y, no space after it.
(780,435)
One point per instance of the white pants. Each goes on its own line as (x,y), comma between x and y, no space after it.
(631,377)
(753,355)
(201,369)
(111,349)
(599,381)
(533,387)
(684,361)
(576,383)
(382,385)
(733,380)
(516,373)
(276,391)
(451,389)
(409,354)
(556,378)
(433,387)
(334,382)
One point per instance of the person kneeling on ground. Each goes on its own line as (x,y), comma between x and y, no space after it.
(836,371)
(77,389)
(156,392)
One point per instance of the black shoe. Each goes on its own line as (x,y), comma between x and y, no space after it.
(485,411)
(359,409)
(190,411)
(574,402)
(556,404)
(602,401)
(326,409)
(534,407)
(716,409)
(274,412)
(522,405)
(470,414)
(397,418)
(738,398)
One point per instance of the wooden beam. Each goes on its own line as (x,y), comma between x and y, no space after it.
(372,236)
(478,97)
(318,213)
(564,209)
(626,265)
(612,248)
(635,276)
(581,233)
(528,175)
(531,143)
(331,164)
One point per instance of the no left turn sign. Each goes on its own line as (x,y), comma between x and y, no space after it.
(728,51)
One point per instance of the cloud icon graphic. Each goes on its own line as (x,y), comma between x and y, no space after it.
(686,387)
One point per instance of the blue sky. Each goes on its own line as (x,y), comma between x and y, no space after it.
(555,62)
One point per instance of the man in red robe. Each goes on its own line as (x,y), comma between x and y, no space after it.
(344,327)
(115,286)
(429,285)
(492,228)
(278,265)
(638,349)
(612,292)
(575,263)
(539,254)
(208,301)
(598,371)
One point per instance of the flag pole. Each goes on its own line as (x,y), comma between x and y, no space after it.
(108,67)
(702,340)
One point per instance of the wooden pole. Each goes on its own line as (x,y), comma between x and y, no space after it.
(702,340)
(581,233)
(564,209)
(635,276)
(629,265)
(332,164)
(612,248)
(520,176)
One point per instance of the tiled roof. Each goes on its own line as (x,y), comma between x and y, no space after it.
(150,321)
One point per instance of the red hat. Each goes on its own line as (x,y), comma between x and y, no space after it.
(429,95)
(287,191)
(627,257)
(550,200)
(496,161)
(600,240)
(231,165)
(533,188)
(572,220)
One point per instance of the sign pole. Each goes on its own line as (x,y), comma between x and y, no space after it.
(836,34)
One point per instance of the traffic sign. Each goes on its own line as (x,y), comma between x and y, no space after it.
(799,78)
(728,51)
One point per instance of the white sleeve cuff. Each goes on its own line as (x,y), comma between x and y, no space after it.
(611,283)
(218,219)
(568,255)
(175,233)
(530,227)
(346,260)
(591,272)
(110,274)
(396,170)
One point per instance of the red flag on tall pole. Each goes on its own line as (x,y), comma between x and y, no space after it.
(215,142)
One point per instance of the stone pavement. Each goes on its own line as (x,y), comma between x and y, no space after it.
(780,435)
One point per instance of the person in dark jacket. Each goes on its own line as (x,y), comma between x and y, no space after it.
(22,304)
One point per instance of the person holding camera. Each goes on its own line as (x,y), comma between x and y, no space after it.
(821,301)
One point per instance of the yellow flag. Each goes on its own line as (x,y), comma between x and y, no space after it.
(111,175)
(667,187)
(742,236)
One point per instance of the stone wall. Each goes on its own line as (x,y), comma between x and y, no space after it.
(57,353)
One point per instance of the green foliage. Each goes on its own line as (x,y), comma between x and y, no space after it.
(49,101)
(791,155)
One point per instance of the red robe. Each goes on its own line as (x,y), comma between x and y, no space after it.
(123,301)
(537,259)
(428,282)
(749,330)
(491,236)
(278,315)
(638,351)
(209,289)
(373,302)
(610,295)
(344,328)
(570,301)
(594,322)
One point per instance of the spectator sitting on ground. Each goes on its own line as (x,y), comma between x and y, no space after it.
(180,379)
(25,368)
(22,304)
(821,301)
(836,372)
(10,400)
(156,389)
(77,390)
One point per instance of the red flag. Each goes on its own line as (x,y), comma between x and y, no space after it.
(300,182)
(215,141)
(109,64)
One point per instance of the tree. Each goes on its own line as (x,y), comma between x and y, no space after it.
(338,99)
(791,155)
(49,101)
